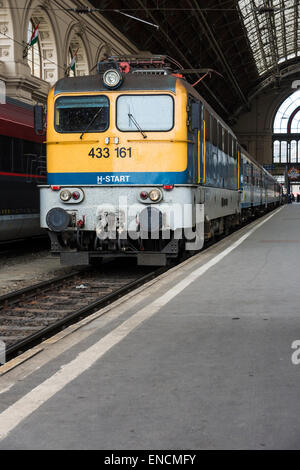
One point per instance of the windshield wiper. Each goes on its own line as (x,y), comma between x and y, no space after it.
(137,125)
(91,121)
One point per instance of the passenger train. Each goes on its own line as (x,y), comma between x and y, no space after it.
(140,165)
(22,168)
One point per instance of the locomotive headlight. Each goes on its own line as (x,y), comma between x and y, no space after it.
(65,195)
(112,78)
(155,195)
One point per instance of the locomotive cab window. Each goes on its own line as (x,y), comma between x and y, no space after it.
(145,113)
(81,113)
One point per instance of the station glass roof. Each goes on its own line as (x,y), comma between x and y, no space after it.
(252,44)
(272,29)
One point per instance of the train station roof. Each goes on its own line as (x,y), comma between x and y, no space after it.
(253,44)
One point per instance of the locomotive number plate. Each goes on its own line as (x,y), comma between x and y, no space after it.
(106,152)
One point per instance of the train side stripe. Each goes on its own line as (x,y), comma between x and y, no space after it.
(21,175)
(143,178)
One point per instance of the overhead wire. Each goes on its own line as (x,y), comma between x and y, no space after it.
(33,51)
(114,10)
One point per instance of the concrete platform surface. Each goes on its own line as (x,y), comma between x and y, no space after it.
(199,359)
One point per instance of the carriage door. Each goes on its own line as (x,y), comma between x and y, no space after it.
(195,132)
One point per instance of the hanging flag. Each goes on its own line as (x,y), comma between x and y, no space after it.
(72,65)
(33,40)
(34,36)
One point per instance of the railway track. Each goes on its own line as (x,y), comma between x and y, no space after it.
(15,248)
(30,315)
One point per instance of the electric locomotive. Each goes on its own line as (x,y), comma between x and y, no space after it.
(139,165)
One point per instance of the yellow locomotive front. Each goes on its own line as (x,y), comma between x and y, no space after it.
(118,166)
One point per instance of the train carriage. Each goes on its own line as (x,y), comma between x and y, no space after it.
(140,165)
(22,168)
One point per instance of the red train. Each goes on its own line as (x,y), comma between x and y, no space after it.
(22,168)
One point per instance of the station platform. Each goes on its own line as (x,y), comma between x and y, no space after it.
(200,358)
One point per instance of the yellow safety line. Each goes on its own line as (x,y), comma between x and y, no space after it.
(20,359)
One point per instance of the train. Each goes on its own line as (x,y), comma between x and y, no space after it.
(140,165)
(22,168)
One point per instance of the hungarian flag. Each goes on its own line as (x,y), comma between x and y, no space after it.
(34,36)
(73,64)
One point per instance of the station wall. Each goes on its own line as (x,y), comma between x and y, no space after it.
(255,128)
(61,33)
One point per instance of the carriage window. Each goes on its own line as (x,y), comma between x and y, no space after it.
(145,112)
(81,113)
(220,137)
(214,132)
(234,149)
(225,141)
(230,152)
(207,125)
(6,160)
